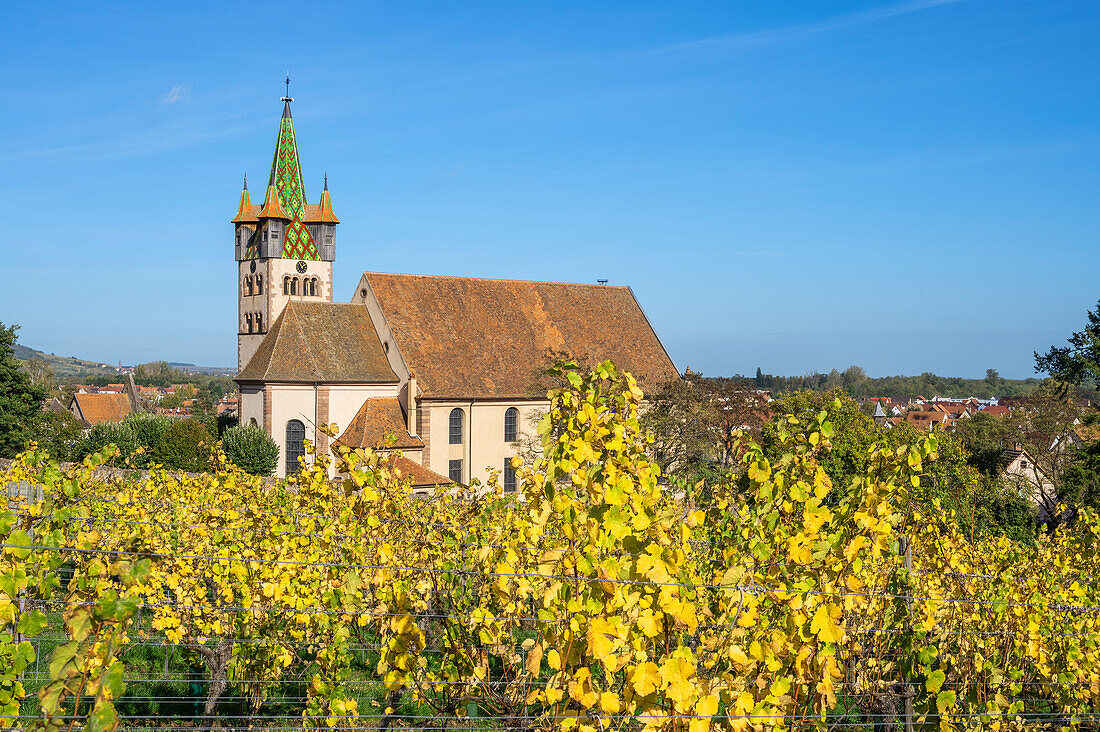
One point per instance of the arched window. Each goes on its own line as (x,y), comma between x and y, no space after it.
(259,322)
(455,427)
(511,424)
(509,477)
(294,286)
(259,284)
(295,445)
(253,422)
(286,285)
(314,288)
(248,285)
(248,321)
(307,286)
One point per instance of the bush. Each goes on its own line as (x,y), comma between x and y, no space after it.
(251,449)
(149,431)
(58,433)
(186,446)
(107,433)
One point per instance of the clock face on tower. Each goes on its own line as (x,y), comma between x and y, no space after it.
(301,267)
(252,266)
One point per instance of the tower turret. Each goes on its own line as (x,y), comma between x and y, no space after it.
(322,224)
(245,222)
(284,248)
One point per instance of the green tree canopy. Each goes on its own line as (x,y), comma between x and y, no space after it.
(1080,360)
(20,400)
(251,449)
(186,446)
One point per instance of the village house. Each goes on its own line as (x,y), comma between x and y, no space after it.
(448,370)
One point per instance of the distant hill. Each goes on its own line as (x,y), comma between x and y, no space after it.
(65,366)
(856,382)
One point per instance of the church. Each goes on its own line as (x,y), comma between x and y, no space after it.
(447,370)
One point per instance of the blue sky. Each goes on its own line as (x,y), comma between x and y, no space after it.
(909,186)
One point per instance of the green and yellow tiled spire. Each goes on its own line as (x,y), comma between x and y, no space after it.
(286,180)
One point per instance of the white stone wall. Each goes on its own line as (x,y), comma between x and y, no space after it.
(483,446)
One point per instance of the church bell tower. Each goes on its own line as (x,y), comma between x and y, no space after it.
(284,248)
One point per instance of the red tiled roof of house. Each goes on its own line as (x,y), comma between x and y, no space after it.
(421,477)
(926,420)
(997,410)
(484,338)
(98,408)
(380,424)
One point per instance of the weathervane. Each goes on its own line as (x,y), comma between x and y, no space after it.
(287,98)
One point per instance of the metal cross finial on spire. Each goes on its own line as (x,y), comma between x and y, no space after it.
(326,181)
(287,98)
(246,181)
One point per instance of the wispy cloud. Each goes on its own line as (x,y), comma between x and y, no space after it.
(781,33)
(453,171)
(140,141)
(177,93)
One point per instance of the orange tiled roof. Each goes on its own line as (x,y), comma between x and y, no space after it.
(272,208)
(374,424)
(325,215)
(421,477)
(466,337)
(246,212)
(97,408)
(322,342)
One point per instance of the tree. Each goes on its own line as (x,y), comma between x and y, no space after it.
(41,374)
(150,431)
(58,433)
(251,449)
(985,439)
(186,446)
(696,420)
(854,377)
(157,373)
(1080,360)
(855,432)
(20,399)
(118,434)
(992,377)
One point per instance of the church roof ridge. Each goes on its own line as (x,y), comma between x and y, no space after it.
(498,279)
(501,335)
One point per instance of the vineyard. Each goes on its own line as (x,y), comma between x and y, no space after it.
(604,599)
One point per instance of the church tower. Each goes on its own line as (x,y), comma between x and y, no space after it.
(284,248)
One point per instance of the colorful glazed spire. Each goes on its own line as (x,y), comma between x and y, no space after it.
(244,210)
(286,179)
(325,214)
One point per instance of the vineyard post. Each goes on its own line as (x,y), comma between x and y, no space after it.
(907,688)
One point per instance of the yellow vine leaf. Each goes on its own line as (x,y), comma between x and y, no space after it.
(824,624)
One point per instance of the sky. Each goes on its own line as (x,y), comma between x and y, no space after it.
(907,186)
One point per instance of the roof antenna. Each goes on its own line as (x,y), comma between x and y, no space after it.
(287,98)
(601,282)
